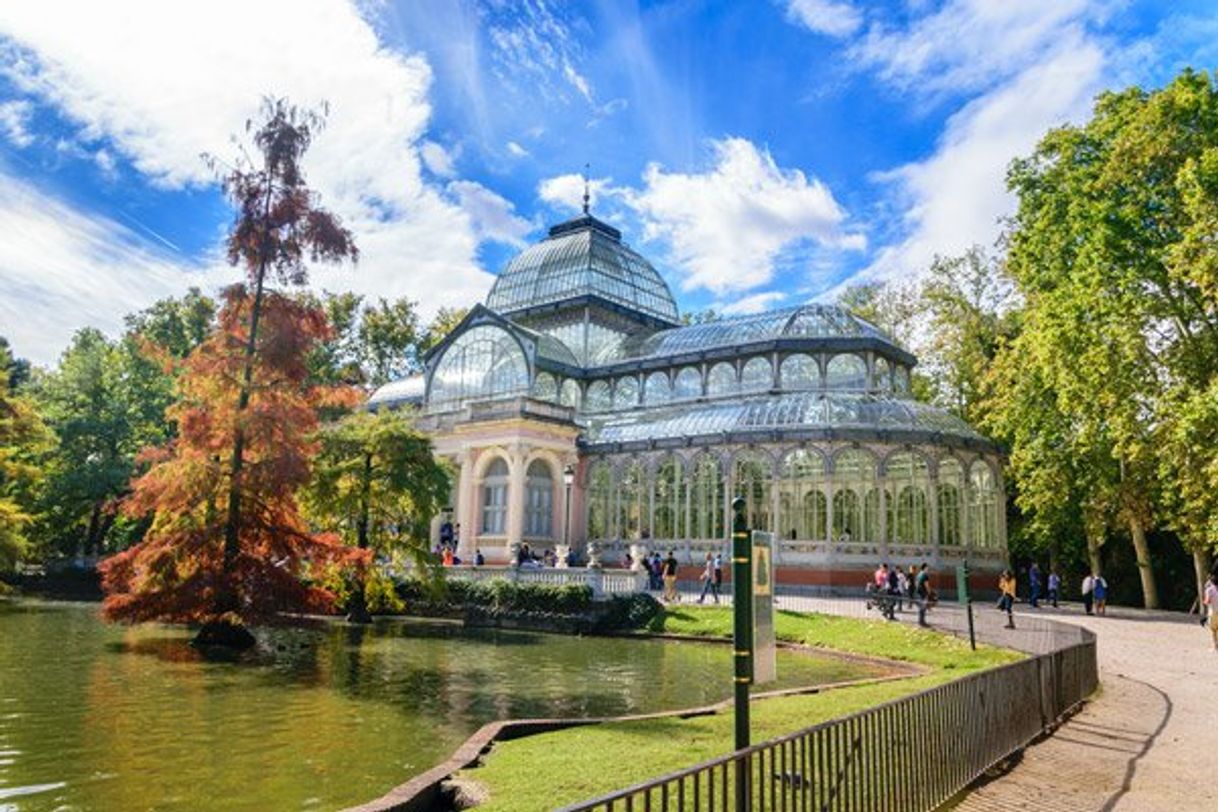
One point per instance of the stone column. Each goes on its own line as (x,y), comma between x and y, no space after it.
(464,511)
(515,495)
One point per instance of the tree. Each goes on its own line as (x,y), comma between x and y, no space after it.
(443,323)
(376,482)
(175,326)
(699,316)
(372,344)
(247,408)
(278,227)
(182,571)
(105,401)
(23,440)
(1109,249)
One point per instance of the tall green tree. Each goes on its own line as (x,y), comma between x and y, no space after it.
(1108,249)
(24,439)
(376,483)
(373,343)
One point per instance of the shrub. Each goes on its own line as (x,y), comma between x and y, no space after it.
(625,612)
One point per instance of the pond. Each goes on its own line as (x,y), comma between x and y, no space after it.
(101,717)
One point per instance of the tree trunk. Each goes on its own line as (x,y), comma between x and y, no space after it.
(91,533)
(227,602)
(1201,566)
(1150,593)
(1094,542)
(358,611)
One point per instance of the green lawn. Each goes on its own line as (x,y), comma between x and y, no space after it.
(551,769)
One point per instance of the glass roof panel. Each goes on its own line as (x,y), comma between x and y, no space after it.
(805,321)
(792,410)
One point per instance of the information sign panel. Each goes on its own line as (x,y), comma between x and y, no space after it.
(764,647)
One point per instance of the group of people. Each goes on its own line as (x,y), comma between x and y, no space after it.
(897,586)
(1094,591)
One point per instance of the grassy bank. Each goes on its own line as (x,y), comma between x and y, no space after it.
(548,770)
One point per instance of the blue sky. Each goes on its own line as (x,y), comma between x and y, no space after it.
(760,153)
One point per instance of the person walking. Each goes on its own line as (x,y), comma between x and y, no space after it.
(924,591)
(1211,600)
(1055,586)
(1034,585)
(1006,600)
(1100,589)
(670,578)
(1088,590)
(708,578)
(718,576)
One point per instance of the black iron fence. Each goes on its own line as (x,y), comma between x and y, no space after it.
(913,753)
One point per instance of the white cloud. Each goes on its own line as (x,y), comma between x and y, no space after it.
(14,121)
(160,83)
(517,151)
(493,217)
(726,228)
(61,270)
(437,159)
(566,192)
(756,303)
(834,19)
(955,197)
(968,45)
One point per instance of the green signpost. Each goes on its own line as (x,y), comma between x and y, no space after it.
(965,597)
(742,642)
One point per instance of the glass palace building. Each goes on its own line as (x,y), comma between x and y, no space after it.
(578,409)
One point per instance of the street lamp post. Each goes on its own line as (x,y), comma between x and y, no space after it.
(568,479)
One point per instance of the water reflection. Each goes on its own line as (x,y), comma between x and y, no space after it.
(98,717)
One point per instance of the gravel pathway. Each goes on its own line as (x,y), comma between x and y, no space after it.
(1148,741)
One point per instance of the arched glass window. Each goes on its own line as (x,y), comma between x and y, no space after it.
(802,506)
(483,362)
(853,479)
(494,498)
(908,482)
(570,393)
(545,387)
(539,501)
(757,375)
(951,485)
(632,505)
(657,389)
(670,495)
(626,393)
(600,500)
(752,479)
(883,375)
(689,383)
(799,371)
(900,379)
(848,371)
(600,397)
(706,498)
(983,506)
(722,380)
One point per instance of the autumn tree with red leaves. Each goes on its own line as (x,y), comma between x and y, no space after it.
(227,544)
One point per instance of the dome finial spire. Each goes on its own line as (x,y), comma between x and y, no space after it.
(587,197)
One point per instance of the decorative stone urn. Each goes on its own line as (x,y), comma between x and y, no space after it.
(637,552)
(513,553)
(561,552)
(594,555)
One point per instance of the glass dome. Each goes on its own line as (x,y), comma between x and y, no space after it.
(582,257)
